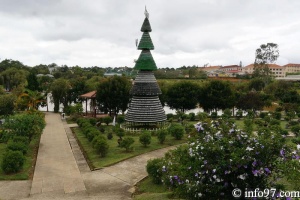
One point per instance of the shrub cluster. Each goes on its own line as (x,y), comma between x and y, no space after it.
(18,132)
(93,134)
(245,160)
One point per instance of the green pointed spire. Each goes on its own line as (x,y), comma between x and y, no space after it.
(145,61)
(146,27)
(146,42)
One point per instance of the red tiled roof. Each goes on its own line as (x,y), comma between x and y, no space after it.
(230,66)
(291,65)
(89,95)
(270,65)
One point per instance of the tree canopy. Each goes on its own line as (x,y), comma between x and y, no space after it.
(217,95)
(182,96)
(113,94)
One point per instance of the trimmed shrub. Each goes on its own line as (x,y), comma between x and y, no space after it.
(169,116)
(18,146)
(119,132)
(93,133)
(120,119)
(239,114)
(101,146)
(202,116)
(296,140)
(296,130)
(214,115)
(99,121)
(101,129)
(177,131)
(154,169)
(145,138)
(12,161)
(189,128)
(284,132)
(248,125)
(4,136)
(161,135)
(110,135)
(126,143)
(192,116)
(274,122)
(22,139)
(86,130)
(277,115)
(93,121)
(107,120)
(259,122)
(227,113)
(293,123)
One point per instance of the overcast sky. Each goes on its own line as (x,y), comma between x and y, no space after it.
(184,32)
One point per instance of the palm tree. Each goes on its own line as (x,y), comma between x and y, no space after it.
(30,99)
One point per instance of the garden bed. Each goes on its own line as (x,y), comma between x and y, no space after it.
(116,154)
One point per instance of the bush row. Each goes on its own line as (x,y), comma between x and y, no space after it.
(93,135)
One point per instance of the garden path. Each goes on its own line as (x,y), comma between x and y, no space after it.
(61,171)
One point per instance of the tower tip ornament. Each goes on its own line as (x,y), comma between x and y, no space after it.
(146,13)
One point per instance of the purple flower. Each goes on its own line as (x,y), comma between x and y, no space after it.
(282,152)
(196,175)
(254,163)
(175,177)
(267,170)
(255,172)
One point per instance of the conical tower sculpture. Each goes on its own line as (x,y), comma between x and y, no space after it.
(145,108)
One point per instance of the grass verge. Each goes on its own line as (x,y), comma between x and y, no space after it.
(146,190)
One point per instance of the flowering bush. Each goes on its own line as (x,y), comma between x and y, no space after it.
(222,158)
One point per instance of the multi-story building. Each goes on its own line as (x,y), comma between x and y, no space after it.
(277,70)
(231,70)
(211,70)
(292,68)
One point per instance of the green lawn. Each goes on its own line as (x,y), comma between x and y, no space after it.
(146,190)
(117,154)
(29,164)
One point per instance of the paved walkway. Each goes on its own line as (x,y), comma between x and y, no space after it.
(61,171)
(56,168)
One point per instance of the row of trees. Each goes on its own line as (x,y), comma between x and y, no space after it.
(219,95)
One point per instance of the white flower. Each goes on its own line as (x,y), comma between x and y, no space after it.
(249,149)
(219,180)
(242,176)
(199,194)
(298,146)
